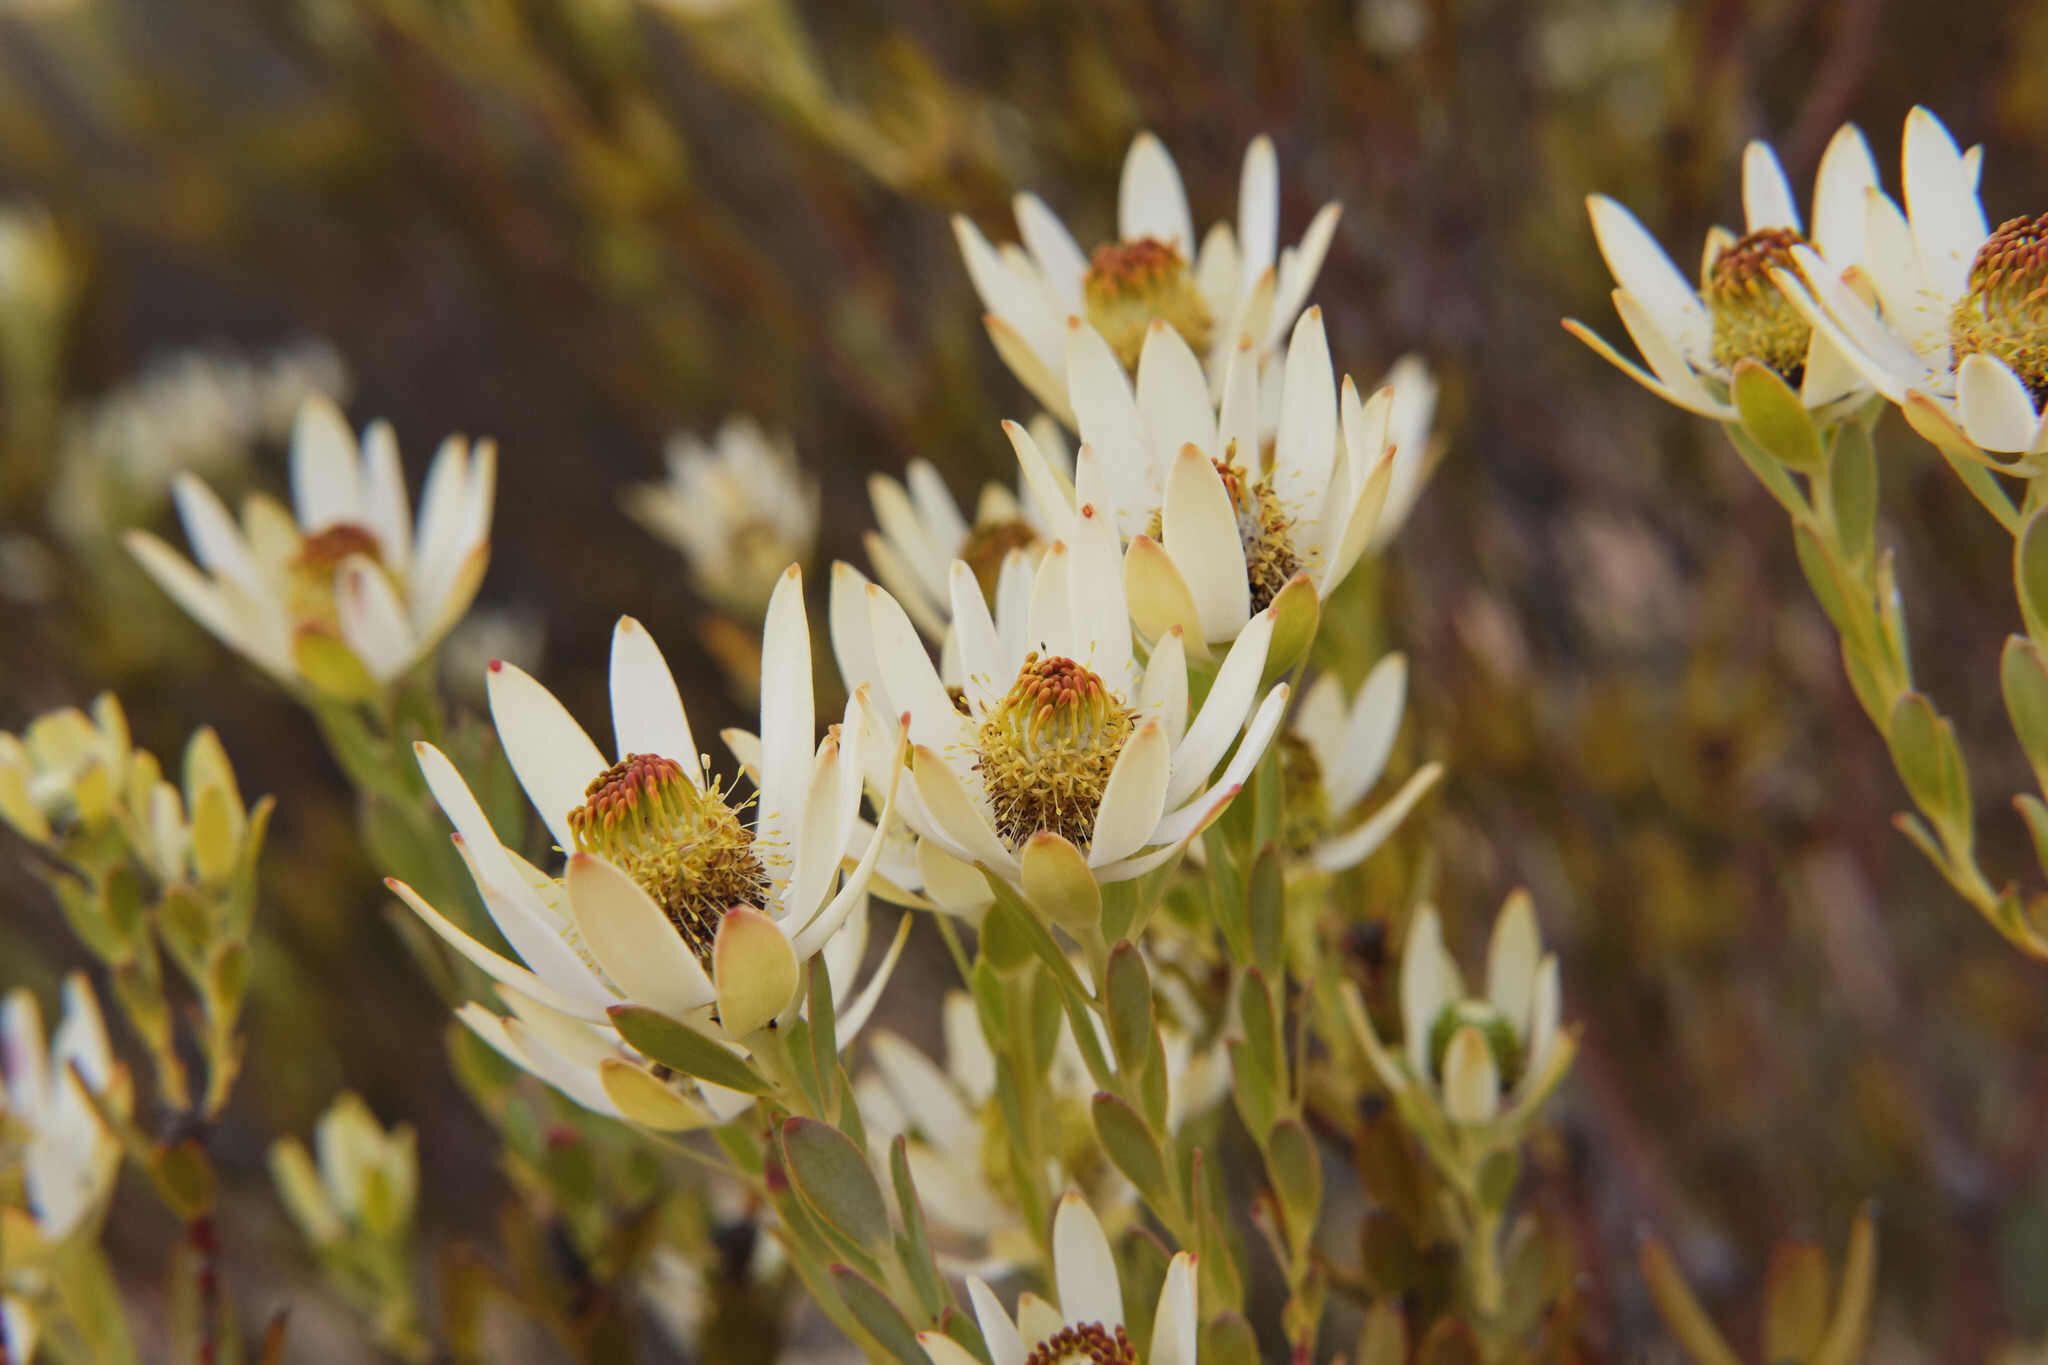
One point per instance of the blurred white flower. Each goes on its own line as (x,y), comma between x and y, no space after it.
(922,531)
(1475,1063)
(342,594)
(1240,286)
(70,1162)
(1345,748)
(196,412)
(65,767)
(740,509)
(366,1179)
(954,1127)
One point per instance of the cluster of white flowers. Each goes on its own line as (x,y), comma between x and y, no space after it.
(1926,303)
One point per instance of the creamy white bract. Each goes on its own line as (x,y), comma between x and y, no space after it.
(1239,285)
(668,898)
(1693,337)
(343,592)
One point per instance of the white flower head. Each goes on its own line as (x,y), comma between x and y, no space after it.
(1087,1324)
(1692,339)
(71,1161)
(1063,750)
(1336,754)
(1944,316)
(365,1178)
(922,531)
(1477,1061)
(1239,285)
(342,593)
(65,767)
(1220,526)
(952,1121)
(670,897)
(740,508)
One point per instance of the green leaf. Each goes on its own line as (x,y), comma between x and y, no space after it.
(881,1318)
(2036,815)
(1774,417)
(835,1180)
(1226,895)
(1005,945)
(2023,674)
(1295,1168)
(2030,573)
(1228,1339)
(914,1245)
(1128,995)
(824,1020)
(1134,1149)
(1266,904)
(1253,1085)
(681,1048)
(1924,750)
(1820,571)
(1497,1177)
(1852,490)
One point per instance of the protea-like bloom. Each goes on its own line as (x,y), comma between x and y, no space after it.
(1217,531)
(740,508)
(342,593)
(1476,1063)
(1693,338)
(1087,1324)
(670,898)
(1239,286)
(953,1120)
(1062,753)
(70,1162)
(65,768)
(922,531)
(1957,334)
(1335,753)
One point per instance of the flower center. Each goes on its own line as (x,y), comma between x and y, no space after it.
(1499,1033)
(989,544)
(2005,313)
(1130,283)
(1753,320)
(1084,1344)
(686,847)
(1046,751)
(312,569)
(1269,559)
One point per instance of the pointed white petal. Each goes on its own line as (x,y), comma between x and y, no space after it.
(1308,418)
(1150,199)
(1847,173)
(1766,197)
(554,760)
(1083,1267)
(1368,736)
(1998,413)
(1174,1329)
(1642,269)
(1053,247)
(647,710)
(1941,203)
(373,620)
(1135,797)
(1173,398)
(1223,711)
(789,725)
(1429,983)
(1258,210)
(325,487)
(498,968)
(1163,695)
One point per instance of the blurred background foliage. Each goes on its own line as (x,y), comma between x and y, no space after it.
(580,225)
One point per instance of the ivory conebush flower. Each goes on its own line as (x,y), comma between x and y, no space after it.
(1692,338)
(739,507)
(1943,315)
(1087,1324)
(956,1143)
(365,1178)
(922,531)
(1346,746)
(342,593)
(1476,1061)
(64,767)
(1066,757)
(668,897)
(1239,285)
(1216,533)
(70,1161)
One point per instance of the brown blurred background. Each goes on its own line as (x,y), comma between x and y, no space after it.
(579,225)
